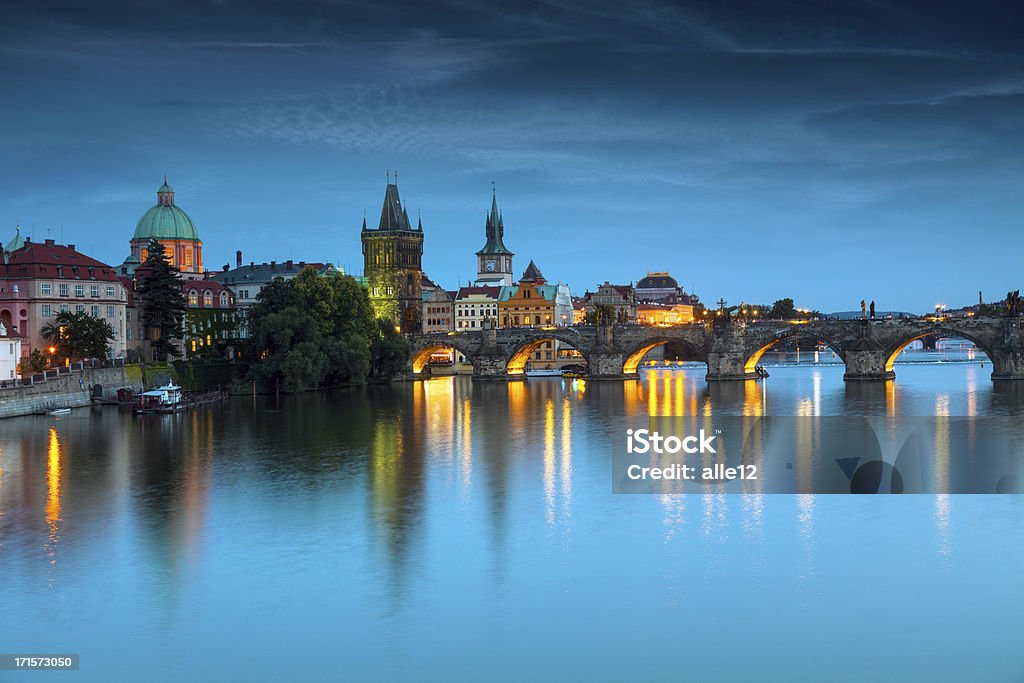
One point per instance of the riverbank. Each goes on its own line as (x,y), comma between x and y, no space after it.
(70,390)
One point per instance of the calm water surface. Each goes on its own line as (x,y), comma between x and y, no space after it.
(449,529)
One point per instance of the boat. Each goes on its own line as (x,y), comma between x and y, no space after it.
(165,399)
(574,371)
(549,372)
(59,411)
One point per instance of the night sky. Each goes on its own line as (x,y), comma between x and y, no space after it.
(829,151)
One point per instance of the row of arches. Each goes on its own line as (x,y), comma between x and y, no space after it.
(518,360)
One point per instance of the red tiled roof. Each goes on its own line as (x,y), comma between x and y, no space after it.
(41,261)
(482,289)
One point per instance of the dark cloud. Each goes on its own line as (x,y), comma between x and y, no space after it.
(845,136)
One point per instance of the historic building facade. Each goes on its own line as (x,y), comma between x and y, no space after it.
(38,280)
(210,326)
(621,298)
(532,302)
(494,260)
(438,308)
(177,234)
(10,353)
(393,264)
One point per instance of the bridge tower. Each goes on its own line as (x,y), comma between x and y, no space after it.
(393,263)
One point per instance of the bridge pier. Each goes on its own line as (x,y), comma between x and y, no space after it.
(728,366)
(867,365)
(492,368)
(607,366)
(1008,364)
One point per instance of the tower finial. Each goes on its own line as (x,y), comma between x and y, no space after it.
(494,189)
(388,176)
(396,177)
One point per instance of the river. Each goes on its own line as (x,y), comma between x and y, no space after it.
(451,529)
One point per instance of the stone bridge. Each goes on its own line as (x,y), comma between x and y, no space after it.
(731,350)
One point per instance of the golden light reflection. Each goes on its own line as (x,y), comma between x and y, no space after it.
(53,476)
(549,461)
(465,438)
(566,472)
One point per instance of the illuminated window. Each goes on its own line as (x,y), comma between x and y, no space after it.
(207,298)
(188,256)
(193,298)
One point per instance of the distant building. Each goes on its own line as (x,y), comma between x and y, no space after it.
(10,353)
(177,234)
(247,281)
(663,287)
(438,308)
(532,302)
(622,298)
(494,260)
(392,264)
(473,305)
(211,328)
(663,313)
(579,310)
(38,280)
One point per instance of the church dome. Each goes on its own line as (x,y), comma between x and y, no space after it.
(165,221)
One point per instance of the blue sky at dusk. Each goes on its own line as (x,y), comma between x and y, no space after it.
(830,151)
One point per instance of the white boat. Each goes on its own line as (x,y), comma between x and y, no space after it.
(550,372)
(59,411)
(165,399)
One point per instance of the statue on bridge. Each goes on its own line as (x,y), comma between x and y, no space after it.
(863,309)
(872,309)
(1013,305)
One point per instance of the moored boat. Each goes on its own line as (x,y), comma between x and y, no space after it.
(165,399)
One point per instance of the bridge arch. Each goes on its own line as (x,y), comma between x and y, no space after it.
(515,363)
(796,332)
(631,359)
(422,352)
(942,331)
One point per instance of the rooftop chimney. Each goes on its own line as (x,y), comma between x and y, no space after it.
(252,265)
(71,247)
(289,264)
(227,267)
(273,265)
(48,243)
(238,259)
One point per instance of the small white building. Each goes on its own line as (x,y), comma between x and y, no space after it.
(10,354)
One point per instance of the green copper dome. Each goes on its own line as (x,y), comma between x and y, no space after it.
(165,221)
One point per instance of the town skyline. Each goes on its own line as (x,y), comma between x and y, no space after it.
(748,150)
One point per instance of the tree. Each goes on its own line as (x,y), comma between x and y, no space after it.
(319,331)
(390,351)
(783,309)
(78,335)
(35,363)
(161,302)
(603,314)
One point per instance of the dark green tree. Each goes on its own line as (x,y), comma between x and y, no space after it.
(78,336)
(35,363)
(319,331)
(783,309)
(390,352)
(161,302)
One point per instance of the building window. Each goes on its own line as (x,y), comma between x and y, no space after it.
(64,308)
(207,299)
(188,256)
(94,290)
(110,311)
(95,311)
(110,290)
(79,290)
(45,311)
(63,288)
(193,298)
(45,289)
(80,308)
(223,299)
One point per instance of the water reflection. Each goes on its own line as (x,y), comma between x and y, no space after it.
(450,492)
